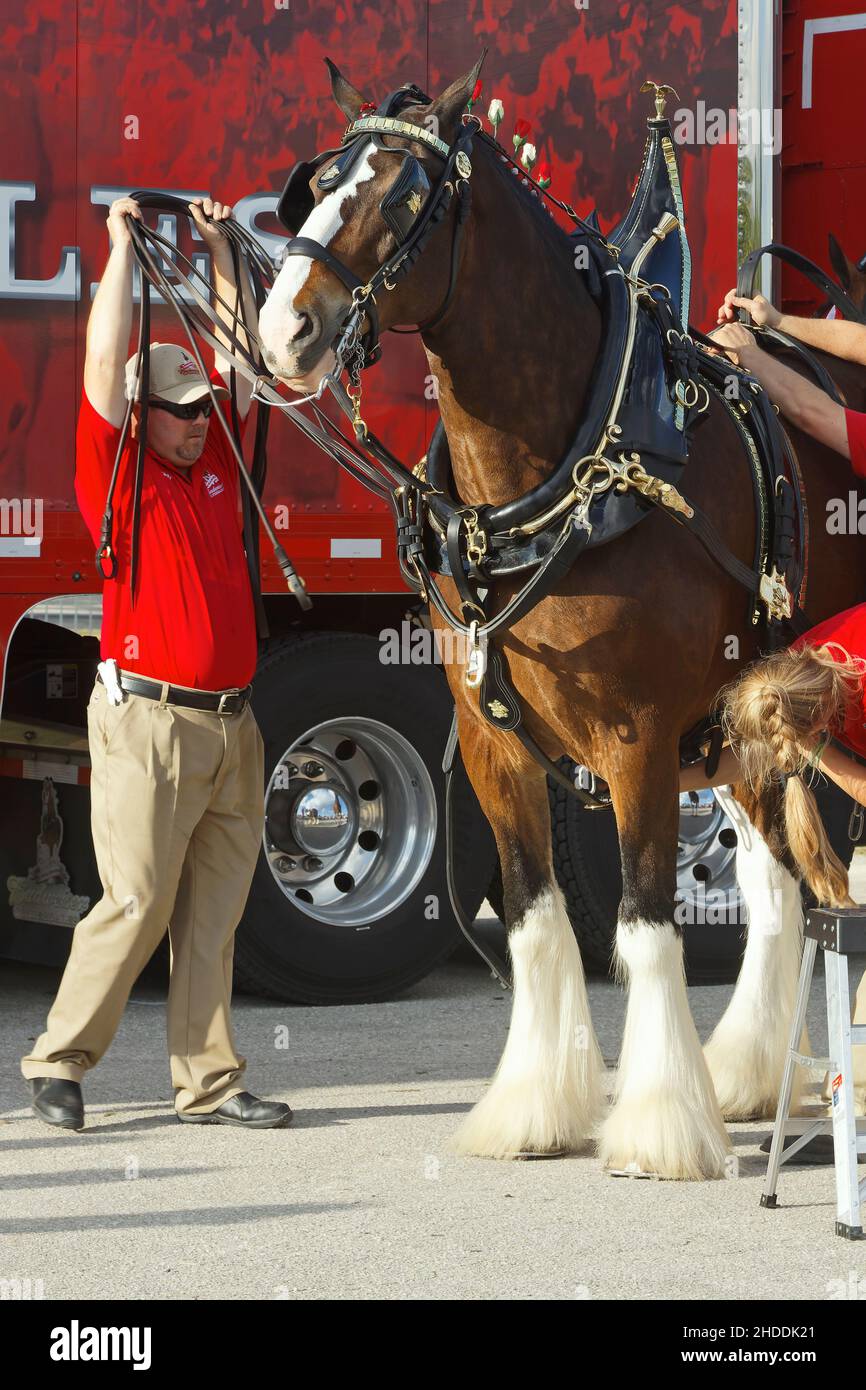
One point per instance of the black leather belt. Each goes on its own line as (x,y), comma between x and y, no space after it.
(232,701)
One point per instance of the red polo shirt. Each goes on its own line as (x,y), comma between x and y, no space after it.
(845,634)
(193,621)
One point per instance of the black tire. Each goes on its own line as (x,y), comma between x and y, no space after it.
(587,863)
(280,950)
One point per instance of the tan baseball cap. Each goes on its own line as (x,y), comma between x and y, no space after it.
(174,375)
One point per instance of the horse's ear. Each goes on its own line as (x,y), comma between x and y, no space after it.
(347,97)
(840,263)
(449,107)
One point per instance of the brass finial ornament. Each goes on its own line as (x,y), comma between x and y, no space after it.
(659,90)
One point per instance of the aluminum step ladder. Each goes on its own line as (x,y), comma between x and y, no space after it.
(839,932)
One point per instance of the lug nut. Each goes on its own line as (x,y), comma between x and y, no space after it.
(311,864)
(313,769)
(285,865)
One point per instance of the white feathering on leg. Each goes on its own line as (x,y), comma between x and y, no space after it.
(746,1053)
(547,1093)
(665,1118)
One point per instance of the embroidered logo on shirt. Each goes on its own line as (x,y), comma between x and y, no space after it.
(213,484)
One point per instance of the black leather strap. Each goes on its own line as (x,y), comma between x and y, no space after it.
(501,707)
(813,272)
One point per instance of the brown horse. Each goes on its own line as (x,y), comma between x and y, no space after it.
(623,658)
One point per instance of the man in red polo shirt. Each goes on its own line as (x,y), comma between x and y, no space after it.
(177,757)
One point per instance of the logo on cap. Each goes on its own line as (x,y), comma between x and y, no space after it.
(188,368)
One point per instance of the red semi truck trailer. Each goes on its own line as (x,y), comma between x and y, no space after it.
(222,98)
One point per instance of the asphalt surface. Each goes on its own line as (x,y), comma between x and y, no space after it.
(358,1198)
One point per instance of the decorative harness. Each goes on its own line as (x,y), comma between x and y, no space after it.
(650,388)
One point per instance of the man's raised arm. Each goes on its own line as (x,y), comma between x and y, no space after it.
(226,288)
(110,321)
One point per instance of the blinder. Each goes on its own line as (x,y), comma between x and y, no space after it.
(296,201)
(405,198)
(410,208)
(399,207)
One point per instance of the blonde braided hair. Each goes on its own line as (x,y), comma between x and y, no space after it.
(778,705)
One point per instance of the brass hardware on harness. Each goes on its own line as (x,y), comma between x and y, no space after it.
(354,394)
(497,709)
(774,593)
(390,125)
(361,293)
(665,225)
(476,539)
(463,164)
(659,90)
(632,474)
(476,663)
(420,469)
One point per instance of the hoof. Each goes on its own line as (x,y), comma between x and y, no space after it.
(522,1122)
(664,1136)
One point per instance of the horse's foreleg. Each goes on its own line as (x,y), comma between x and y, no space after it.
(546,1095)
(746,1053)
(665,1118)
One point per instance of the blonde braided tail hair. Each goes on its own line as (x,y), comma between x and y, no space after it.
(778,705)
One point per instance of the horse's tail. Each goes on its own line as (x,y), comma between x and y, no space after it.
(778,705)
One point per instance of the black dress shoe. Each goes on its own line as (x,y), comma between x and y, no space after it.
(58,1102)
(244,1109)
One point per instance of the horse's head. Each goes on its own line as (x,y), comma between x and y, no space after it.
(359,203)
(852,274)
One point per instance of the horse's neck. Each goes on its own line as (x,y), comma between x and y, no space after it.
(513,357)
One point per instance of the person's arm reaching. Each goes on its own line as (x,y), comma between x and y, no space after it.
(110,321)
(226,288)
(844,771)
(800,401)
(836,336)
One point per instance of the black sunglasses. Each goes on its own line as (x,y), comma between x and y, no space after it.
(184,412)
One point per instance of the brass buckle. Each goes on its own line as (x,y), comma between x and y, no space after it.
(476,538)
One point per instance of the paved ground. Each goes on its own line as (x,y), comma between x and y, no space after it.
(358,1199)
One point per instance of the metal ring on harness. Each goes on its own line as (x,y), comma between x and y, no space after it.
(686,393)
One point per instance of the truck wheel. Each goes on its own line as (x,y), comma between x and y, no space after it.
(349,902)
(709,903)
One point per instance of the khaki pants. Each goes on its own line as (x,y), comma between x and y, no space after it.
(177,816)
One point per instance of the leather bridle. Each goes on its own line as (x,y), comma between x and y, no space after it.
(359,347)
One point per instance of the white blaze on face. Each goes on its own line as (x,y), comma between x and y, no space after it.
(278,322)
